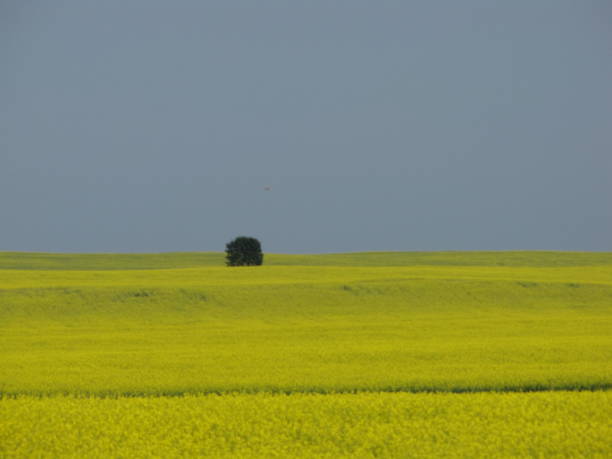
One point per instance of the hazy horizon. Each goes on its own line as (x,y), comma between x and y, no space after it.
(222,252)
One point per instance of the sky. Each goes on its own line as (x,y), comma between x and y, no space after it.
(318,126)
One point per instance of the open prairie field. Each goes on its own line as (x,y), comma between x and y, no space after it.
(372,354)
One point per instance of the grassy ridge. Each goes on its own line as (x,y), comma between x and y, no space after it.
(306,329)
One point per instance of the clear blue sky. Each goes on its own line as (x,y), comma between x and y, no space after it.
(145,125)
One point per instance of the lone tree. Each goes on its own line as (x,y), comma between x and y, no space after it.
(243,251)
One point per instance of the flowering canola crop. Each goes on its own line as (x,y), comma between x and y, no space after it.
(311,356)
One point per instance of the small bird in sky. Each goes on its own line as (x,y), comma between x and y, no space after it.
(267,188)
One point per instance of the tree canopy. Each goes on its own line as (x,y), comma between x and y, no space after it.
(243,251)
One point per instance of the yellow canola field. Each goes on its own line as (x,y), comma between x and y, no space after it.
(553,424)
(473,355)
(215,276)
(305,329)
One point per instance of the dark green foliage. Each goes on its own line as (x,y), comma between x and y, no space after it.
(243,251)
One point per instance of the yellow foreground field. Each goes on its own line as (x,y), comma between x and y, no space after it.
(552,424)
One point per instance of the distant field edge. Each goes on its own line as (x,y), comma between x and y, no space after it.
(174,260)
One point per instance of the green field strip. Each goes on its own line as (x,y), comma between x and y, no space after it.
(170,260)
